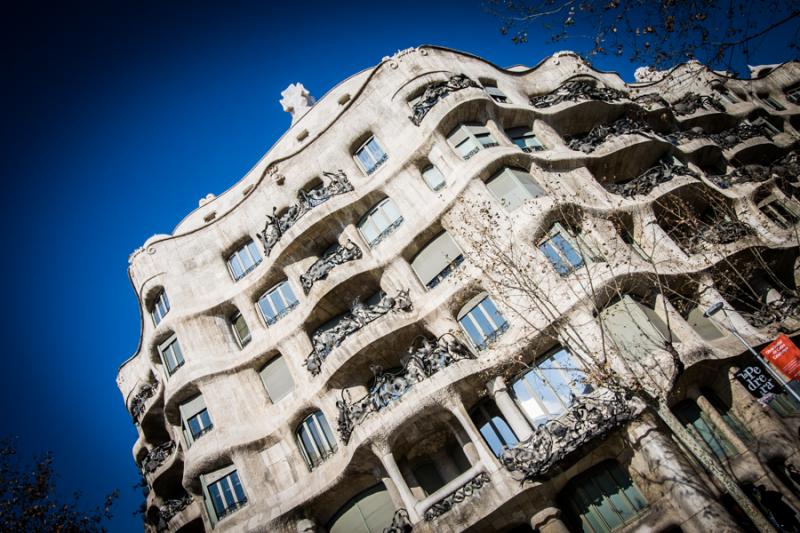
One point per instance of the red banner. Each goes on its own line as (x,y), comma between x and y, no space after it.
(784,355)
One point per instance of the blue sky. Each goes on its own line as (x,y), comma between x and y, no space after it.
(118,118)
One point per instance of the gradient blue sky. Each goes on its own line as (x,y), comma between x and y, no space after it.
(117,119)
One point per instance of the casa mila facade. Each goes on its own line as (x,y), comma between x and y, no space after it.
(457,297)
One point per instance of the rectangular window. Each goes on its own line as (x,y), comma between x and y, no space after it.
(437,260)
(496,94)
(512,187)
(636,328)
(171,355)
(525,139)
(240,330)
(547,390)
(697,421)
(160,308)
(371,156)
(761,121)
(243,260)
(315,439)
(380,221)
(793,94)
(561,249)
(482,322)
(773,103)
(433,178)
(277,379)
(277,302)
(195,419)
(470,139)
(726,96)
(778,211)
(223,493)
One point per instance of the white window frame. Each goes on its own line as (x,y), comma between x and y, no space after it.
(767,207)
(770,126)
(451,265)
(439,182)
(311,422)
(525,133)
(207,480)
(248,250)
(772,103)
(242,342)
(278,290)
(162,352)
(576,241)
(496,94)
(377,160)
(370,217)
(470,136)
(466,313)
(190,409)
(160,307)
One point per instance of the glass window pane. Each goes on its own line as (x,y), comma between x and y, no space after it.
(479,316)
(493,313)
(216,499)
(550,253)
(567,250)
(288,294)
(236,267)
(433,178)
(471,329)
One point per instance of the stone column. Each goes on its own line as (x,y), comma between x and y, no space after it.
(484,453)
(716,418)
(548,520)
(498,390)
(390,465)
(693,499)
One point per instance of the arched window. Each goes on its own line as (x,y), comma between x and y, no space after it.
(512,187)
(469,139)
(493,427)
(380,221)
(277,379)
(243,260)
(699,423)
(602,499)
(368,512)
(315,439)
(481,321)
(525,139)
(635,327)
(548,389)
(277,302)
(437,260)
(566,249)
(160,307)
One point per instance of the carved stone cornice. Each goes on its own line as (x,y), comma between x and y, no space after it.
(400,523)
(359,316)
(425,358)
(139,401)
(589,417)
(663,171)
(437,91)
(157,455)
(629,124)
(459,495)
(575,90)
(322,266)
(276,226)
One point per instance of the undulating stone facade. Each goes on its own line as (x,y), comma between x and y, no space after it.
(457,297)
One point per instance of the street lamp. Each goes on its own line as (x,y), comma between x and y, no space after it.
(720,306)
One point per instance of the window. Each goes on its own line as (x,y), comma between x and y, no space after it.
(602,499)
(371,156)
(496,94)
(793,94)
(726,95)
(223,493)
(315,439)
(380,221)
(195,419)
(563,249)
(277,302)
(240,330)
(243,260)
(468,140)
(277,379)
(525,139)
(493,427)
(160,307)
(548,389)
(779,211)
(697,422)
(369,512)
(437,260)
(770,127)
(481,320)
(771,102)
(433,177)
(171,355)
(635,327)
(512,187)
(704,327)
